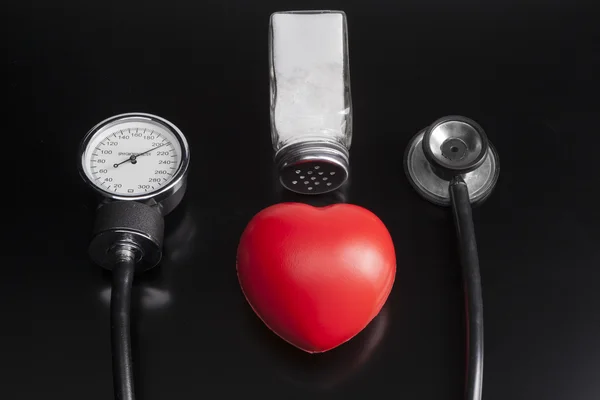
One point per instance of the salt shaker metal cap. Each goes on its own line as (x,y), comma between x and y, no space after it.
(311,107)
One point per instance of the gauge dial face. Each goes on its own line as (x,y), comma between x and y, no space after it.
(132,156)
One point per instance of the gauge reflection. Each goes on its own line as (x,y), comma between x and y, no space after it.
(152,290)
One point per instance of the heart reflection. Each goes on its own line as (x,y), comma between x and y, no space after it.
(321,371)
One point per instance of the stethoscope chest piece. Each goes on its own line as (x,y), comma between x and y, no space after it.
(451,146)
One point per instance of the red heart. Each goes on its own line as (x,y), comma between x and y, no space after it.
(316,276)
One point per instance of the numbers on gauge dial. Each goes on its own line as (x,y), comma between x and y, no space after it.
(133,161)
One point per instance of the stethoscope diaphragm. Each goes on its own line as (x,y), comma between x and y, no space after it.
(451,146)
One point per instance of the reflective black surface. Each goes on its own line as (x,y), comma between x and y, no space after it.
(523,70)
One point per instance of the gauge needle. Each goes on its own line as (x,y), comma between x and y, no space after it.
(148,151)
(133,157)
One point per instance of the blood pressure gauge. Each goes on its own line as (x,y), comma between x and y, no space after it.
(136,156)
(137,163)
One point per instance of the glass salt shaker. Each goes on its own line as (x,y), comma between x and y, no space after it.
(311,108)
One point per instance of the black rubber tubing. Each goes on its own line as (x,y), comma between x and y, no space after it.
(120,316)
(469,259)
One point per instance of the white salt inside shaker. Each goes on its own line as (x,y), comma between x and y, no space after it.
(310,103)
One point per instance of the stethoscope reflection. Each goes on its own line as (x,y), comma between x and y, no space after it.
(328,370)
(153,287)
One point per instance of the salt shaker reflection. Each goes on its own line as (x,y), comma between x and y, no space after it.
(311,110)
(326,199)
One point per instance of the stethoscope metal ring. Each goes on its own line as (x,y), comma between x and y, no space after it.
(450,146)
(455,144)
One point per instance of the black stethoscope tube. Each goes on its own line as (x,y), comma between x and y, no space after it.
(469,259)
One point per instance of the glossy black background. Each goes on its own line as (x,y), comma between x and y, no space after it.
(523,70)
